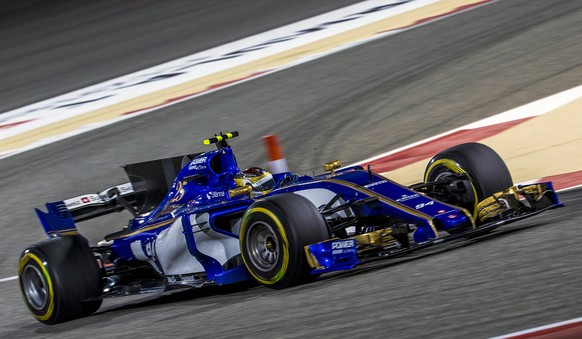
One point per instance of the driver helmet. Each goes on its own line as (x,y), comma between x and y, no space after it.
(260,179)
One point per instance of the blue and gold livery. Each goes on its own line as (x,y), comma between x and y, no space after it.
(194,225)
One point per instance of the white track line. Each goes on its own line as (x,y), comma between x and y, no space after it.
(202,64)
(9,278)
(214,60)
(538,329)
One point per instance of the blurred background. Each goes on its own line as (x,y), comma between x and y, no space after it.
(350,106)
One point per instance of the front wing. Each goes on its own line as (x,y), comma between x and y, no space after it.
(513,204)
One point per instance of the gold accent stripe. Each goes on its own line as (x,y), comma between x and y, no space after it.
(387,201)
(68,231)
(464,210)
(145,229)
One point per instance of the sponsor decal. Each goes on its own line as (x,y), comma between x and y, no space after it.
(375,183)
(95,199)
(196,167)
(215,194)
(343,246)
(198,163)
(72,203)
(405,197)
(125,188)
(82,201)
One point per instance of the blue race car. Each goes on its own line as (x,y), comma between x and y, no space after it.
(200,220)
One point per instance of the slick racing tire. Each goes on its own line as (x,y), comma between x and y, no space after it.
(57,276)
(487,171)
(273,234)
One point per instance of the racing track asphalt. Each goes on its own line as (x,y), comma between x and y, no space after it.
(54,47)
(350,106)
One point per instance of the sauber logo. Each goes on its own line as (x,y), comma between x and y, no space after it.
(343,244)
(125,188)
(80,201)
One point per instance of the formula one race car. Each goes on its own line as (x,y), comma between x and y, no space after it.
(199,220)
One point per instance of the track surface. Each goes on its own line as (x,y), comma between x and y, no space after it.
(350,106)
(60,46)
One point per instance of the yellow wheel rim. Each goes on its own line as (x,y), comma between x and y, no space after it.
(454,167)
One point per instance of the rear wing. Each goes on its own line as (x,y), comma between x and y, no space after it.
(149,182)
(113,199)
(60,218)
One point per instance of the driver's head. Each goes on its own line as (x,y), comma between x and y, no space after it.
(261,180)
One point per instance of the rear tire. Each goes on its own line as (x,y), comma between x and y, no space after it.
(57,276)
(273,234)
(487,171)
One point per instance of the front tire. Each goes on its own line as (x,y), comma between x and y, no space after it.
(487,171)
(273,234)
(57,276)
